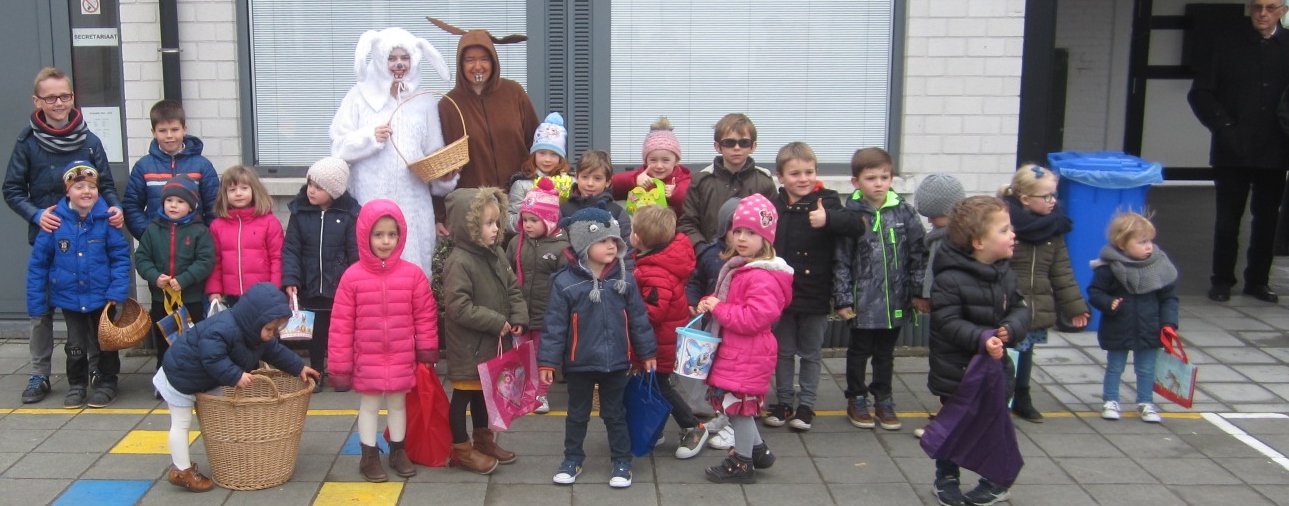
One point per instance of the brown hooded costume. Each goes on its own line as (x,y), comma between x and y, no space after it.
(500,120)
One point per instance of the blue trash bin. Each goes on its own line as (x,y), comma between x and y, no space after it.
(1094,187)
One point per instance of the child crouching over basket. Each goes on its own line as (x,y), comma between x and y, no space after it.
(220,351)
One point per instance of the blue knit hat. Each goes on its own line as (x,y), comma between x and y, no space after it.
(551,135)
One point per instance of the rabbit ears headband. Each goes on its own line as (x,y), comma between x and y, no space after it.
(378,45)
(509,39)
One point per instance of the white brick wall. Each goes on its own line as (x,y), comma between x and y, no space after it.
(962,90)
(208,68)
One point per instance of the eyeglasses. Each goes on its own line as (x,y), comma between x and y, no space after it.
(742,143)
(1265,8)
(1049,198)
(57,98)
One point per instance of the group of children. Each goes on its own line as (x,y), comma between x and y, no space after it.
(597,289)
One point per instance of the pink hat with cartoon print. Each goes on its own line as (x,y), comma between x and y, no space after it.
(756,213)
(542,201)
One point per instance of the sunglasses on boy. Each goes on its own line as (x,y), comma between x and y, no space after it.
(742,143)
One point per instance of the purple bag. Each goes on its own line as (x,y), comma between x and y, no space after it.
(974,428)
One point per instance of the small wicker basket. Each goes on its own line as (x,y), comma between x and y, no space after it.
(446,159)
(131,326)
(252,435)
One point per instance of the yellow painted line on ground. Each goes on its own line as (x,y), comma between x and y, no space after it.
(148,442)
(338,493)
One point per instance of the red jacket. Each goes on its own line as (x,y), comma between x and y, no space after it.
(626,181)
(248,250)
(745,360)
(661,275)
(384,313)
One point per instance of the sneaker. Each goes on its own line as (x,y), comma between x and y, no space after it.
(948,492)
(777,415)
(621,475)
(1149,413)
(37,389)
(1110,410)
(986,493)
(761,456)
(885,413)
(857,412)
(662,438)
(734,469)
(802,419)
(545,407)
(722,440)
(568,472)
(103,396)
(692,441)
(75,397)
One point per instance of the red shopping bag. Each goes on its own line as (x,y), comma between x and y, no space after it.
(510,385)
(429,436)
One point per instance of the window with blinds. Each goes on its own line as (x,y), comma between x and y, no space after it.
(816,71)
(302,60)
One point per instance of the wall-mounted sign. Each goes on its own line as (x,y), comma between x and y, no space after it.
(105,122)
(91,7)
(95,37)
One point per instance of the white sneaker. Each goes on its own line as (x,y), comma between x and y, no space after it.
(918,432)
(691,442)
(722,440)
(1110,410)
(1149,413)
(545,407)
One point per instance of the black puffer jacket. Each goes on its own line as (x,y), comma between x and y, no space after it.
(811,251)
(968,299)
(312,230)
(879,274)
(1136,323)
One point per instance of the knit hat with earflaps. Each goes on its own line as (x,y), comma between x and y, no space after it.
(551,135)
(589,226)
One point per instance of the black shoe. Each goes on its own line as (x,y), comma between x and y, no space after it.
(1023,406)
(777,415)
(1262,293)
(734,469)
(322,381)
(948,492)
(986,493)
(103,396)
(761,457)
(802,420)
(75,397)
(37,389)
(1219,293)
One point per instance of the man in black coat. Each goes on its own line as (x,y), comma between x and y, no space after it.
(1235,96)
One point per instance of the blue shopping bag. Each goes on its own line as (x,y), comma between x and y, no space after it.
(177,320)
(647,412)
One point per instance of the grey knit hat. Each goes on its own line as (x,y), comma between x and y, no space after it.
(589,226)
(937,194)
(725,217)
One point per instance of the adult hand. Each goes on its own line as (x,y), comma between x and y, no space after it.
(994,346)
(245,382)
(846,313)
(48,221)
(818,218)
(922,305)
(383,132)
(1081,320)
(548,376)
(115,217)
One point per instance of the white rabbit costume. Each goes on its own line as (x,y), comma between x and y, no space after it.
(376,170)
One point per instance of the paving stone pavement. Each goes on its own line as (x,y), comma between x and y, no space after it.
(1229,448)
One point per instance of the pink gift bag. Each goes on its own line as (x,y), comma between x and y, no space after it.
(510,384)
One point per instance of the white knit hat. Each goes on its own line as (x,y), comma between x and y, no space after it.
(331,174)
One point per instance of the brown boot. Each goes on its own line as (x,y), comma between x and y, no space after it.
(470,459)
(485,442)
(190,479)
(398,460)
(370,465)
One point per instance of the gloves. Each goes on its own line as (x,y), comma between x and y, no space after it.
(427,357)
(341,383)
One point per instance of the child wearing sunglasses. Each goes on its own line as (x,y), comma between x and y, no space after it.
(733,173)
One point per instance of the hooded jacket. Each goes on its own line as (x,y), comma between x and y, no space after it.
(581,335)
(811,251)
(745,360)
(83,264)
(143,193)
(711,187)
(624,182)
(383,314)
(661,274)
(320,245)
(248,250)
(604,200)
(879,274)
(969,299)
(182,249)
(534,262)
(34,178)
(219,349)
(482,294)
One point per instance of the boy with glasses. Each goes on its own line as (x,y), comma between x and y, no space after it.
(732,173)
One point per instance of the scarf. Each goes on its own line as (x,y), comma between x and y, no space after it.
(1138,276)
(67,139)
(1035,228)
(723,288)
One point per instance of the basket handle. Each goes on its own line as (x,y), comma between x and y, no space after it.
(237,391)
(409,99)
(695,320)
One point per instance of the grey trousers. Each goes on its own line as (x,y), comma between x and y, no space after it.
(799,335)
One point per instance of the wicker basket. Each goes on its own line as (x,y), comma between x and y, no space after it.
(446,159)
(252,434)
(131,326)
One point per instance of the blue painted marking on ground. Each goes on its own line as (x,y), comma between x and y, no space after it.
(353,447)
(104,492)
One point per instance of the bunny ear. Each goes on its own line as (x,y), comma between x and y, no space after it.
(446,27)
(366,45)
(435,58)
(509,39)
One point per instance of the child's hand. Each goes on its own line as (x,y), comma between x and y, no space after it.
(517,330)
(922,305)
(309,372)
(707,304)
(643,180)
(1003,335)
(994,346)
(163,281)
(693,310)
(547,376)
(668,189)
(818,218)
(291,291)
(441,230)
(174,285)
(246,380)
(651,365)
(383,132)
(1081,320)
(846,313)
(214,297)
(505,329)
(1114,305)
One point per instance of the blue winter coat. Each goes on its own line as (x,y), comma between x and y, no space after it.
(319,246)
(219,349)
(34,179)
(143,194)
(83,263)
(584,336)
(703,282)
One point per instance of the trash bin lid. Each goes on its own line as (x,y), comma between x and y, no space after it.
(1106,169)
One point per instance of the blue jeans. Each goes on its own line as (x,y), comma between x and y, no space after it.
(799,335)
(581,389)
(1143,363)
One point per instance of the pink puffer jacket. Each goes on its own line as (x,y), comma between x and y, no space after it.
(248,250)
(384,312)
(745,360)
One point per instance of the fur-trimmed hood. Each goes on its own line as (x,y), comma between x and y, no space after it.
(465,215)
(372,52)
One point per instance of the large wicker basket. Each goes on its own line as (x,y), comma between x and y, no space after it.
(131,326)
(252,434)
(446,159)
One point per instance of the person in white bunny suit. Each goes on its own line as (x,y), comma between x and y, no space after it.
(365,125)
